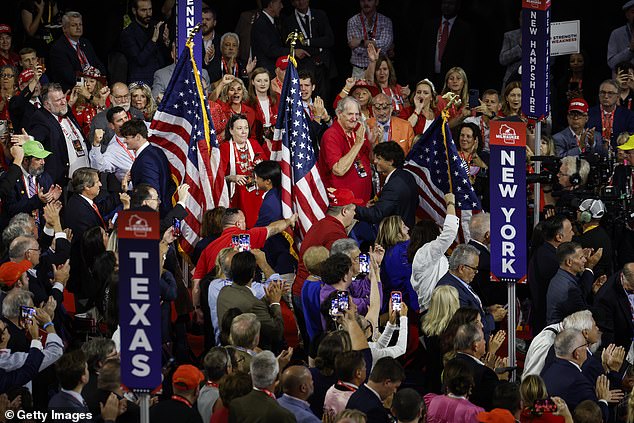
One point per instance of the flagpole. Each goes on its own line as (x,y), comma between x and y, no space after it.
(451,100)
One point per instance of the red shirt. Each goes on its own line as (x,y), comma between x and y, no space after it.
(207,259)
(334,145)
(324,233)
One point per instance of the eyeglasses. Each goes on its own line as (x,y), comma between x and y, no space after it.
(582,346)
(382,106)
(39,250)
(576,115)
(608,93)
(475,269)
(158,200)
(7,75)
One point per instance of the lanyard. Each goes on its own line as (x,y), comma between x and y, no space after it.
(395,97)
(366,35)
(125,148)
(306,31)
(181,399)
(224,67)
(266,391)
(67,135)
(212,384)
(607,120)
(345,387)
(589,228)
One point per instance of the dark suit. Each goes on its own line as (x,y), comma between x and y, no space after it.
(567,294)
(542,267)
(598,238)
(366,401)
(613,313)
(65,64)
(566,144)
(18,377)
(258,407)
(21,110)
(66,403)
(322,39)
(151,167)
(46,128)
(266,42)
(485,381)
(171,411)
(459,51)
(623,121)
(563,379)
(398,197)
(469,299)
(489,292)
(18,200)
(276,248)
(144,55)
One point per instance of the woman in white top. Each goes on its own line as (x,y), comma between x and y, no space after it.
(427,250)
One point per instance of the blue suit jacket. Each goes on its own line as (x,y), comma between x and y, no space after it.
(563,379)
(468,299)
(567,294)
(276,248)
(300,410)
(623,121)
(366,401)
(566,144)
(398,196)
(63,402)
(18,199)
(271,208)
(151,167)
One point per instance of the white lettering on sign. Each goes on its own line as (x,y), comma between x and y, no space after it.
(507,188)
(139,292)
(138,261)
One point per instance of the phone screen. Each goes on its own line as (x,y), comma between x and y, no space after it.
(334,307)
(364,263)
(235,241)
(343,300)
(176,227)
(397,300)
(244,243)
(26,313)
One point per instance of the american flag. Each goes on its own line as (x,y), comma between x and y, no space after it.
(432,160)
(303,191)
(182,127)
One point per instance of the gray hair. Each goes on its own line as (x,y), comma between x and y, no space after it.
(461,255)
(244,331)
(19,246)
(20,225)
(581,320)
(83,178)
(571,164)
(264,369)
(225,265)
(12,302)
(480,224)
(343,246)
(567,341)
(230,34)
(341,106)
(466,336)
(68,16)
(612,82)
(97,349)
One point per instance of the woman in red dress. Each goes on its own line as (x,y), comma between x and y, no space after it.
(231,94)
(238,157)
(87,99)
(264,103)
(381,72)
(425,108)
(456,81)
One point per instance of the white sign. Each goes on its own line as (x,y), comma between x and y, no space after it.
(564,37)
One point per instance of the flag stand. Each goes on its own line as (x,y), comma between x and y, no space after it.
(512,328)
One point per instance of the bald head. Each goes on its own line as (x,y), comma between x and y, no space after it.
(120,95)
(297,382)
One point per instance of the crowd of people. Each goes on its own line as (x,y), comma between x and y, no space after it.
(380,314)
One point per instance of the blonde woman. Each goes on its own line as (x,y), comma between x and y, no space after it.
(456,82)
(425,106)
(443,305)
(142,99)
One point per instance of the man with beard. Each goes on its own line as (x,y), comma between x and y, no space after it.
(119,96)
(572,287)
(210,41)
(57,129)
(144,44)
(34,188)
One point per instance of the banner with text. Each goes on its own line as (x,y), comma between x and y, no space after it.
(507,186)
(565,37)
(189,13)
(139,300)
(535,58)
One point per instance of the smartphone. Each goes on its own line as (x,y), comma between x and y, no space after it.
(397,300)
(235,241)
(176,227)
(545,405)
(364,263)
(474,98)
(244,242)
(27,314)
(334,307)
(80,81)
(343,300)
(114,218)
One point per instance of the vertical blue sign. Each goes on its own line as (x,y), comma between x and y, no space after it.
(189,13)
(536,58)
(139,300)
(507,179)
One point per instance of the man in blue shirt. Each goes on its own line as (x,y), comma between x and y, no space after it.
(297,384)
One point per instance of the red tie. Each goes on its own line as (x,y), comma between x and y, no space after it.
(442,40)
(103,223)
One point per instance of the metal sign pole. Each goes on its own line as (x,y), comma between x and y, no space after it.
(512,325)
(538,168)
(144,405)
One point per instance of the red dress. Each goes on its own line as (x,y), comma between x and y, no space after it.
(257,130)
(85,114)
(228,111)
(236,162)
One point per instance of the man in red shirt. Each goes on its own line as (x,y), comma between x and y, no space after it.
(233,223)
(334,226)
(344,158)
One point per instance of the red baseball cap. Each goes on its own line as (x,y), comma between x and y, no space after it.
(341,197)
(25,76)
(578,105)
(10,271)
(5,29)
(187,377)
(282,62)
